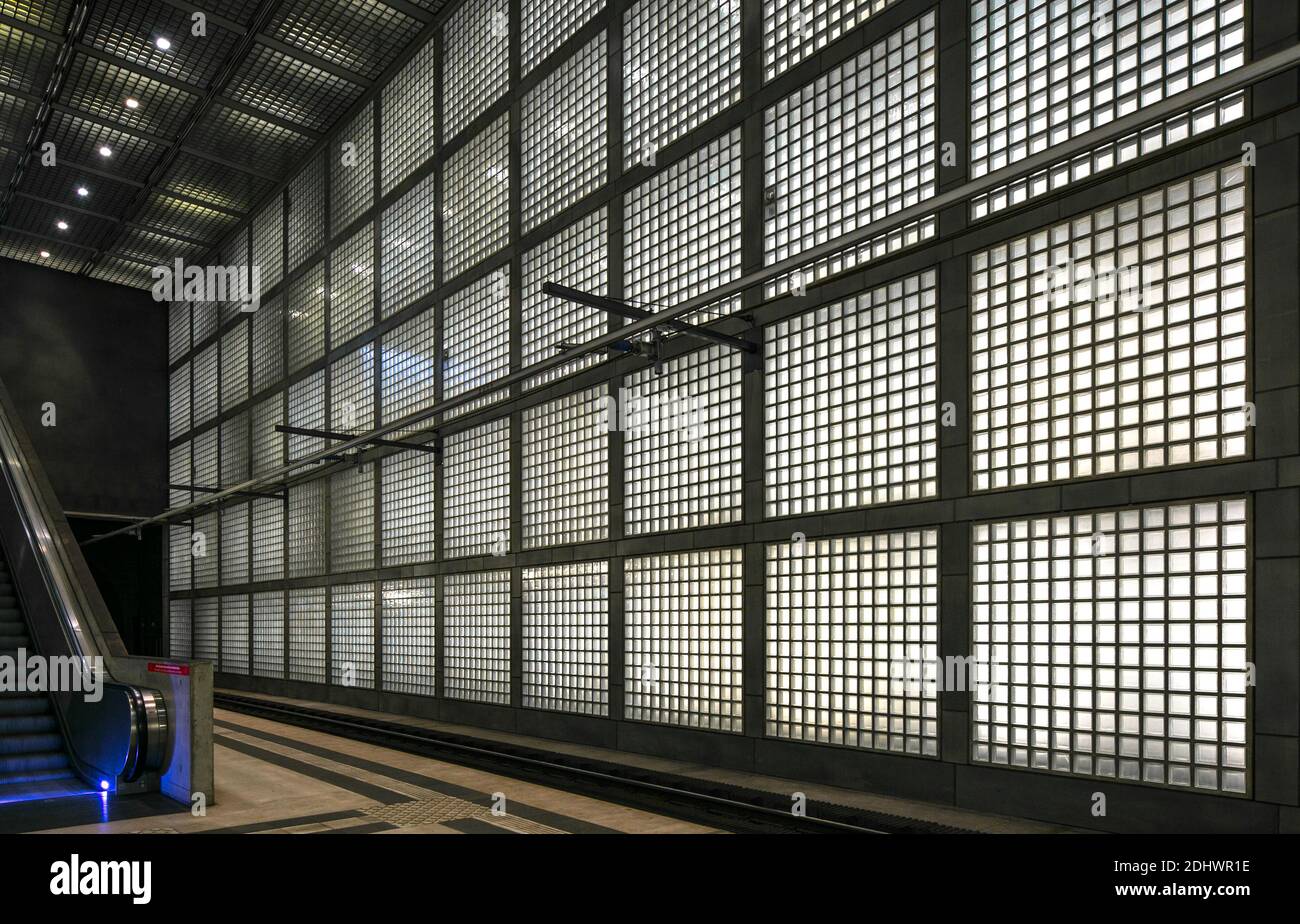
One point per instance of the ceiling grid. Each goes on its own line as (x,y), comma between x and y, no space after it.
(166,140)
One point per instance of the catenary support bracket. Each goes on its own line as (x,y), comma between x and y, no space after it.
(203,489)
(631,312)
(344,437)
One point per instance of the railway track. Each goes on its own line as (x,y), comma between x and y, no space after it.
(734,809)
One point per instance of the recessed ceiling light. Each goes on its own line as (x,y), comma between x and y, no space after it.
(162,43)
(83,191)
(132,103)
(61,225)
(45,254)
(105,151)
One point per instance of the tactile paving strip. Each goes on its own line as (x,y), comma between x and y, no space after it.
(450,808)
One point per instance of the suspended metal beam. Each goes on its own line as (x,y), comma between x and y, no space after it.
(131,67)
(622,346)
(623,310)
(79,167)
(264,13)
(60,241)
(420,15)
(66,206)
(168,192)
(269,118)
(213,19)
(139,226)
(1212,89)
(344,437)
(110,124)
(200,489)
(29,28)
(72,32)
(237,166)
(302,56)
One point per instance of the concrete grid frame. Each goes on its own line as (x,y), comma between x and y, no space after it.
(764,75)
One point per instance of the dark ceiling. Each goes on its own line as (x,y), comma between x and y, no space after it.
(198,132)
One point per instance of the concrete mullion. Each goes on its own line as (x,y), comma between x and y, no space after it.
(515,346)
(953,100)
(248,556)
(753,636)
(614,92)
(954,638)
(753,627)
(616,634)
(752,258)
(377,551)
(284,569)
(1273,640)
(284,409)
(952,117)
(515,157)
(376,480)
(439,544)
(439,672)
(953,368)
(617,637)
(516,545)
(516,637)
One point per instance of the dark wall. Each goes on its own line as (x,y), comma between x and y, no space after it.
(128,572)
(99,352)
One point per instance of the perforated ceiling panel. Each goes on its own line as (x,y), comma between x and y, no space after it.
(166,139)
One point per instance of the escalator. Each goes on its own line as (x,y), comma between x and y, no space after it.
(33,757)
(84,726)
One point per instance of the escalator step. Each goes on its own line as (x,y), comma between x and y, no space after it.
(24,704)
(26,763)
(31,741)
(29,744)
(28,724)
(35,776)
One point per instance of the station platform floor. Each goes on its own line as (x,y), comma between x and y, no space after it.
(282,779)
(275,777)
(934,813)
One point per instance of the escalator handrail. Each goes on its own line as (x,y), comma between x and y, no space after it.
(74,609)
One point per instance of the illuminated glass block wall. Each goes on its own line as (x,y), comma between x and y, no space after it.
(1019,431)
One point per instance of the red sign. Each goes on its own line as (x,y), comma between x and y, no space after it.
(180,670)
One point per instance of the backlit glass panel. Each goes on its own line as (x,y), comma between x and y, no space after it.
(683,639)
(1115,644)
(1113,342)
(566,638)
(476,649)
(851,650)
